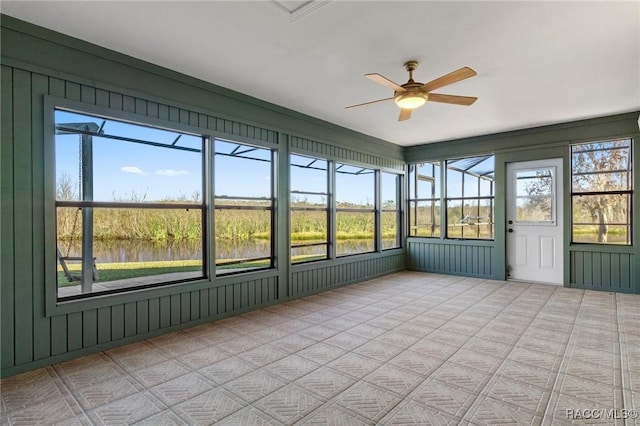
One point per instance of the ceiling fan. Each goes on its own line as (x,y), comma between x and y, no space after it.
(413,94)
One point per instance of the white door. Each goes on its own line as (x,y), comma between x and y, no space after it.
(534,221)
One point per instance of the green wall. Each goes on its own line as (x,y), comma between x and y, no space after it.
(41,69)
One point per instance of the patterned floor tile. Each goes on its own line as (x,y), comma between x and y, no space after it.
(394,379)
(181,388)
(489,411)
(340,323)
(178,343)
(289,404)
(249,416)
(293,343)
(255,385)
(564,409)
(226,370)
(263,355)
(396,338)
(445,397)
(535,358)
(212,333)
(321,353)
(57,410)
(87,370)
(467,378)
(318,332)
(160,373)
(355,365)
(106,392)
(368,400)
(385,322)
(412,329)
(528,374)
(291,367)
(240,344)
(478,360)
(334,415)
(136,356)
(377,350)
(163,418)
(208,407)
(325,382)
(433,348)
(410,412)
(367,331)
(590,390)
(346,341)
(499,350)
(416,362)
(30,388)
(127,410)
(203,357)
(587,370)
(529,397)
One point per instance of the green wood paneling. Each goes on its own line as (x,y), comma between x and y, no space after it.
(74,331)
(89,328)
(23,219)
(602,270)
(460,257)
(321,276)
(104,325)
(7,278)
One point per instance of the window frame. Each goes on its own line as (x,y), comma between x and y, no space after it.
(628,192)
(53,301)
(375,210)
(327,209)
(397,210)
(479,198)
(220,272)
(433,200)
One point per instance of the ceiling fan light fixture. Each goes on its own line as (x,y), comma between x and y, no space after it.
(411,100)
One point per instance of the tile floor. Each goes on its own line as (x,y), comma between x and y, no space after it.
(409,348)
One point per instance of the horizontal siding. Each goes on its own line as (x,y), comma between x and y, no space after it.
(460,259)
(308,280)
(602,271)
(335,152)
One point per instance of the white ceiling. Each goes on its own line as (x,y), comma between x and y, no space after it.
(537,62)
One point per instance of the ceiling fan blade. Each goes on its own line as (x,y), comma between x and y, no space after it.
(405,114)
(452,99)
(368,103)
(385,82)
(453,77)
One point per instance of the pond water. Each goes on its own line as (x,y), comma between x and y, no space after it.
(148,251)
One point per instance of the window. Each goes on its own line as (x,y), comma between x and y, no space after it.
(535,193)
(601,189)
(244,213)
(309,209)
(424,199)
(469,198)
(355,209)
(130,205)
(390,210)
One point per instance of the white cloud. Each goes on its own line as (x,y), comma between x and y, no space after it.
(170,172)
(132,169)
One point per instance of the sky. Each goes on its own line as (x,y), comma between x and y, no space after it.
(128,171)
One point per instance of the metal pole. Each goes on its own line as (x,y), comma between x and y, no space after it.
(87,214)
